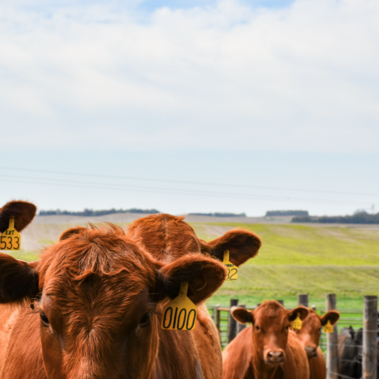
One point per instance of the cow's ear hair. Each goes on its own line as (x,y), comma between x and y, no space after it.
(203,274)
(242,315)
(70,232)
(22,211)
(242,245)
(332,316)
(301,311)
(18,280)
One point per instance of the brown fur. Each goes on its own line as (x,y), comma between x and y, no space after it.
(267,349)
(168,238)
(309,336)
(22,211)
(95,287)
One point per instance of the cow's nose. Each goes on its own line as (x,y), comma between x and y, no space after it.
(311,351)
(276,356)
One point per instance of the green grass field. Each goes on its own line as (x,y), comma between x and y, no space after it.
(293,259)
(305,259)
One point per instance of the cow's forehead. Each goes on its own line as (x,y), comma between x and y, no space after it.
(312,321)
(164,235)
(270,313)
(97,257)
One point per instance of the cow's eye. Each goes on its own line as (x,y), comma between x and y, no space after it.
(145,319)
(257,328)
(44,319)
(287,327)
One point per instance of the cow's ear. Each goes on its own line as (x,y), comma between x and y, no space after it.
(332,316)
(242,315)
(18,279)
(203,274)
(242,245)
(70,232)
(22,211)
(300,311)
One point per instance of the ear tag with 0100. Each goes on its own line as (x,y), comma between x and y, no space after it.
(180,313)
(232,269)
(328,328)
(11,238)
(297,323)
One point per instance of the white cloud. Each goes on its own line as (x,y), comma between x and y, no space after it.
(303,77)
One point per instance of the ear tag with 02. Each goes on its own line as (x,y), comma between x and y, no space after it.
(11,238)
(297,323)
(328,328)
(180,313)
(232,269)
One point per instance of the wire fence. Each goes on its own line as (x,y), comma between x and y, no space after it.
(350,333)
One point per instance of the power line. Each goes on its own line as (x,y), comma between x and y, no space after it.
(188,182)
(111,186)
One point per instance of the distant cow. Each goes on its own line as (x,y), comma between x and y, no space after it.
(350,354)
(95,300)
(309,336)
(267,349)
(169,238)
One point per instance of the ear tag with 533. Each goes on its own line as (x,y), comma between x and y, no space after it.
(11,238)
(180,313)
(232,269)
(328,328)
(297,323)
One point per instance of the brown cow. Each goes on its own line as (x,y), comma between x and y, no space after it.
(268,349)
(168,238)
(309,336)
(97,300)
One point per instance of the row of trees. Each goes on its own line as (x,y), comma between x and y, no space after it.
(94,213)
(219,214)
(357,218)
(286,213)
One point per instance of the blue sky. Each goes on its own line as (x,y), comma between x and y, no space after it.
(254,105)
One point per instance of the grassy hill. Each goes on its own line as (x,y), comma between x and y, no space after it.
(293,259)
(305,259)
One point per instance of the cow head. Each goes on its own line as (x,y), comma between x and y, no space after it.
(310,332)
(97,296)
(169,237)
(271,324)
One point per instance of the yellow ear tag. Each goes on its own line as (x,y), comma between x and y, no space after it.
(297,323)
(180,313)
(232,269)
(328,328)
(11,238)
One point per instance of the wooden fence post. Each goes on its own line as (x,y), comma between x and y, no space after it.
(214,312)
(370,332)
(332,341)
(218,319)
(302,299)
(232,323)
(281,302)
(241,327)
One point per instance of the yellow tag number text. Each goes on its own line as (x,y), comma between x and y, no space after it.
(180,313)
(232,269)
(11,238)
